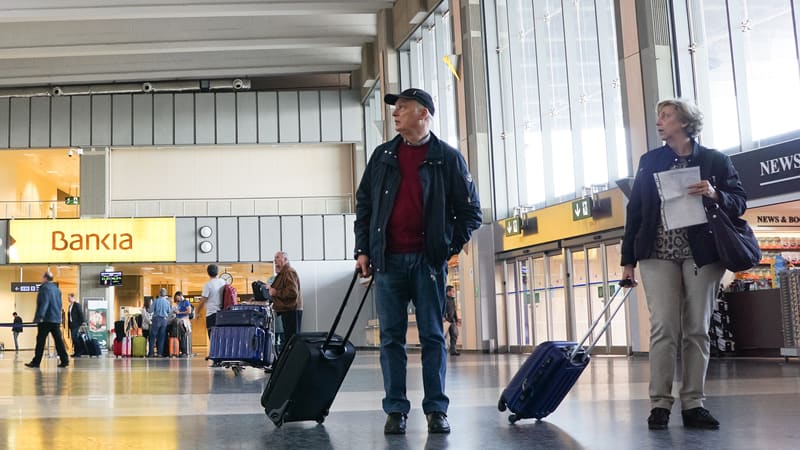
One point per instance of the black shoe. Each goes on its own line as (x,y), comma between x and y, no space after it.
(64,364)
(395,424)
(437,423)
(32,365)
(455,353)
(699,418)
(659,419)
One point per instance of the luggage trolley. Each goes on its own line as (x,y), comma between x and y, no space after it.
(244,336)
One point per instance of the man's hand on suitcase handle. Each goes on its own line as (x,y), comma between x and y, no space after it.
(363,266)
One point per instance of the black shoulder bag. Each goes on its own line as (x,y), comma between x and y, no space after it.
(736,244)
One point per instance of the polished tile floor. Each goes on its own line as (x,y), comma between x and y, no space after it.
(182,403)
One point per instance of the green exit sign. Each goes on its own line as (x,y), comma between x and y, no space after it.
(582,208)
(513,226)
(72,201)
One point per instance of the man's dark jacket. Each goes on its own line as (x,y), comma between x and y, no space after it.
(644,207)
(48,304)
(75,317)
(451,207)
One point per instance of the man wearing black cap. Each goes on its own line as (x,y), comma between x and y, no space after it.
(416,207)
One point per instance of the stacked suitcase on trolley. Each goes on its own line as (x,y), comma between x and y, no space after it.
(720,331)
(790,312)
(243,336)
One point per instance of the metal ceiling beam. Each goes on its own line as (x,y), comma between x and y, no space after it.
(21,11)
(177,47)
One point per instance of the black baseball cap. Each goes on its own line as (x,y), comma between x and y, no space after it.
(418,95)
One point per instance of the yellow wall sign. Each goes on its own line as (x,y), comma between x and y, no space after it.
(92,240)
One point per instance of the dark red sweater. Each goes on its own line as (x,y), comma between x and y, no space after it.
(406,224)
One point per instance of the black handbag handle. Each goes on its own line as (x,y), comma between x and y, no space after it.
(336,321)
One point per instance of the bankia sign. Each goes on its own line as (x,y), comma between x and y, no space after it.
(769,171)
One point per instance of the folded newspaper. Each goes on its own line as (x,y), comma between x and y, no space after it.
(678,208)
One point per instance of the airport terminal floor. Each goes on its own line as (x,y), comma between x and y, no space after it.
(184,404)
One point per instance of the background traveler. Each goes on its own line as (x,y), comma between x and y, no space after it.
(182,311)
(48,321)
(75,319)
(211,297)
(680,268)
(451,316)
(158,328)
(286,296)
(16,329)
(416,206)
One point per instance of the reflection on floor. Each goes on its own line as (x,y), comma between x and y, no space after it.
(182,403)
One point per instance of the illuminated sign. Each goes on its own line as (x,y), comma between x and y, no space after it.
(26,286)
(92,240)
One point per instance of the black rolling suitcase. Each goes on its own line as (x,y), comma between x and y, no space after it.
(310,370)
(552,369)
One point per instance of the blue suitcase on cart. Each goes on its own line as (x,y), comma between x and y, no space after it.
(251,345)
(552,369)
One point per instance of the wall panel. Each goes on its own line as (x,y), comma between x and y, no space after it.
(4,119)
(20,123)
(121,120)
(288,117)
(40,122)
(101,120)
(226,118)
(164,119)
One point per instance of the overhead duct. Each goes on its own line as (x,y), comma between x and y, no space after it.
(236,84)
(25,92)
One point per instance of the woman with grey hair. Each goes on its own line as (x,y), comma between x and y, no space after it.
(680,268)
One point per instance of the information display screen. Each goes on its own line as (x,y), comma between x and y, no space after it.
(111,278)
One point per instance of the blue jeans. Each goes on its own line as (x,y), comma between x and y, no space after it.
(409,277)
(158,335)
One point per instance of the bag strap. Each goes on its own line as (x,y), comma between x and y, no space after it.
(336,321)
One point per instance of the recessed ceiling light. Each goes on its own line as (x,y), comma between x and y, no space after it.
(157,273)
(148,268)
(52,172)
(29,155)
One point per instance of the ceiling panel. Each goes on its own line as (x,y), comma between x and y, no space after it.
(100,41)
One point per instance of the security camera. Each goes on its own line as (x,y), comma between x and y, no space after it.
(238,84)
(70,153)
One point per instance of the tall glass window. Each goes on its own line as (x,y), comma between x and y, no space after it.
(423,64)
(556,98)
(745,70)
(373,120)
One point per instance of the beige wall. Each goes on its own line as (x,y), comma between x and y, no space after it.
(19,183)
(231,172)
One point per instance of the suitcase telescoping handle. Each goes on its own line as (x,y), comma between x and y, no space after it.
(623,284)
(336,321)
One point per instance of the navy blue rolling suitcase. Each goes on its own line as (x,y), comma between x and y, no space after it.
(552,369)
(257,317)
(246,344)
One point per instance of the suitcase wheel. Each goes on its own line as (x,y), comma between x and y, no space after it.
(320,420)
(501,404)
(276,418)
(237,370)
(512,419)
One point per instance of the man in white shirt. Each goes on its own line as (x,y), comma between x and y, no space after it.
(211,298)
